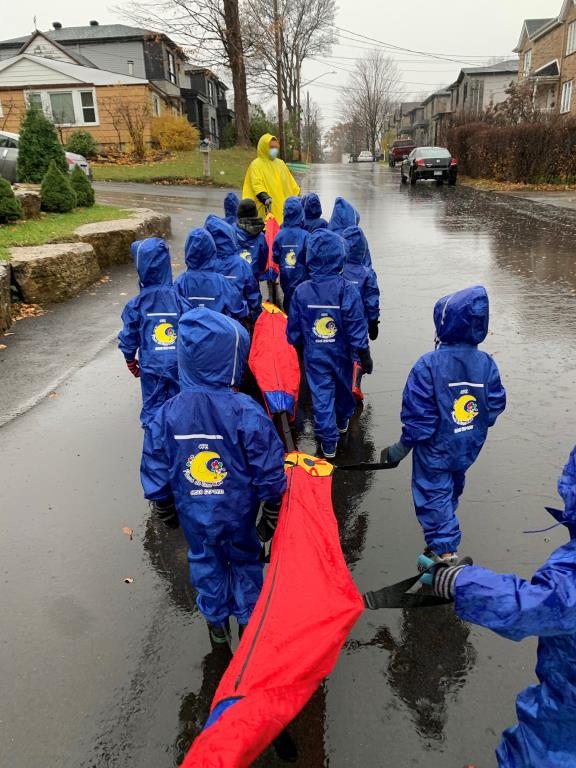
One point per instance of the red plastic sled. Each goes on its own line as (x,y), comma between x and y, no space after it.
(274,362)
(305,612)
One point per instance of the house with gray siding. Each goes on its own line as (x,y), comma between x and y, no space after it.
(205,103)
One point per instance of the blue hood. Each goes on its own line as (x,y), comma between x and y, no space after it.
(231,204)
(343,216)
(200,250)
(325,254)
(462,317)
(567,489)
(312,206)
(224,236)
(357,245)
(212,349)
(152,260)
(293,213)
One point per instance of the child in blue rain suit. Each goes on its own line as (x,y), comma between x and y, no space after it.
(364,278)
(151,325)
(289,249)
(313,213)
(231,202)
(344,215)
(545,606)
(251,238)
(452,397)
(200,284)
(232,266)
(327,319)
(211,456)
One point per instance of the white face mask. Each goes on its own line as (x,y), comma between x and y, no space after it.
(273,153)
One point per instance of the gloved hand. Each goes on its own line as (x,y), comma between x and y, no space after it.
(166,511)
(133,367)
(394,454)
(441,577)
(373,329)
(266,200)
(366,360)
(268,520)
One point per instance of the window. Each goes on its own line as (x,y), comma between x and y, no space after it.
(156,108)
(566,101)
(211,91)
(171,68)
(1,111)
(130,68)
(571,42)
(66,107)
(213,129)
(527,62)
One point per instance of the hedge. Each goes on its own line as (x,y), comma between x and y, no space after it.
(532,153)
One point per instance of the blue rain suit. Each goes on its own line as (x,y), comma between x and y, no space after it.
(545,606)
(231,202)
(344,215)
(363,277)
(289,249)
(217,454)
(151,325)
(232,266)
(327,318)
(313,213)
(452,396)
(201,285)
(254,250)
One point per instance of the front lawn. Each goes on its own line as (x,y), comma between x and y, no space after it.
(227,169)
(54,227)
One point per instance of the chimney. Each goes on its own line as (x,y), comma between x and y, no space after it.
(57,25)
(94,23)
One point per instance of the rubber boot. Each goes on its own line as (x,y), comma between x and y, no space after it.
(357,382)
(285,747)
(219,634)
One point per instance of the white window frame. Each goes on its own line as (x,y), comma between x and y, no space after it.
(211,97)
(566,98)
(156,105)
(172,68)
(130,64)
(76,101)
(527,62)
(571,39)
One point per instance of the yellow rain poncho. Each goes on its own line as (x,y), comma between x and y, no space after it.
(271,176)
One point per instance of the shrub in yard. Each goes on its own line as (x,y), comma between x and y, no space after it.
(174,133)
(82,143)
(81,185)
(38,147)
(56,191)
(10,208)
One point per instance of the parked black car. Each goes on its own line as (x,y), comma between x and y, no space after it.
(434,163)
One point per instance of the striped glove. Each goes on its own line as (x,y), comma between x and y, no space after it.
(133,367)
(444,579)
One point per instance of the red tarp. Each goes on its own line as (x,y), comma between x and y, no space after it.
(274,362)
(307,607)
(272,229)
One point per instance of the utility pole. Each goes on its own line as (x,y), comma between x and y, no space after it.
(307,126)
(298,112)
(278,45)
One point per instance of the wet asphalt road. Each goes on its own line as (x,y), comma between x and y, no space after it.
(97,673)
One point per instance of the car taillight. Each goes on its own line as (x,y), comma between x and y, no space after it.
(420,162)
(453,161)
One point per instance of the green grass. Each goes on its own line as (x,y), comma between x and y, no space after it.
(54,227)
(227,168)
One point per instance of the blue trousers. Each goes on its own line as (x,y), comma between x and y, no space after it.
(225,569)
(156,390)
(330,383)
(436,494)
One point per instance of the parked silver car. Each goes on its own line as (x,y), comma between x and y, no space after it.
(9,156)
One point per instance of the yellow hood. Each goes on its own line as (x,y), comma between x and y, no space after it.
(264,145)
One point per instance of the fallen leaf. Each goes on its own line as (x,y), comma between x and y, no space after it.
(128,531)
(9,333)
(53,394)
(3,346)
(123,294)
(128,580)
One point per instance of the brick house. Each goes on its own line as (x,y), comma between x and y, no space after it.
(547,51)
(75,95)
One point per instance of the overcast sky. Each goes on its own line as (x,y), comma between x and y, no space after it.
(469,32)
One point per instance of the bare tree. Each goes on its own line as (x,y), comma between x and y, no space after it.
(211,32)
(306,31)
(134,117)
(370,95)
(9,109)
(312,132)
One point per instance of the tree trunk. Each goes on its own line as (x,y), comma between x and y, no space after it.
(236,56)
